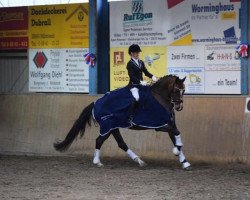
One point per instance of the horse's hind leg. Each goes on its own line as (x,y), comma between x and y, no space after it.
(99,142)
(118,137)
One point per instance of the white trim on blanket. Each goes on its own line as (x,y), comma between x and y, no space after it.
(114,129)
(149,126)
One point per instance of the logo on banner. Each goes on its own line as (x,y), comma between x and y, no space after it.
(194,79)
(81,11)
(211,56)
(230,36)
(137,13)
(40,59)
(137,6)
(212,8)
(118,57)
(80,16)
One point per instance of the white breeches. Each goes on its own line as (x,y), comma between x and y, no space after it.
(135,93)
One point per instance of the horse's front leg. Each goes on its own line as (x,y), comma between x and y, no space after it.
(119,139)
(175,137)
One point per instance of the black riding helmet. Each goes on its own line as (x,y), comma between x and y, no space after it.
(134,48)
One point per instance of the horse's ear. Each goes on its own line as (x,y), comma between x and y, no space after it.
(182,80)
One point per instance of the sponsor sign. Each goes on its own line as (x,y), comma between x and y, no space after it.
(58,70)
(187,61)
(14,28)
(59,26)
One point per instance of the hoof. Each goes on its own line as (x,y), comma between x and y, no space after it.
(99,164)
(176,152)
(140,162)
(186,165)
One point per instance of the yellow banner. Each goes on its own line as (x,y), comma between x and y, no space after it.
(153,57)
(59,26)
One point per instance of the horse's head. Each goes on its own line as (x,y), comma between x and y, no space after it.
(171,89)
(177,90)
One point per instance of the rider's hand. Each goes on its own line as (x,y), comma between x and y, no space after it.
(154,78)
(144,83)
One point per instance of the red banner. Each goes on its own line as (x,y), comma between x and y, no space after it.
(14,28)
(172,3)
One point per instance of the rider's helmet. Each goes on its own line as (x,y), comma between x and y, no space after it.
(134,48)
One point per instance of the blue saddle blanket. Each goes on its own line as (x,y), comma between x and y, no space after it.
(112,110)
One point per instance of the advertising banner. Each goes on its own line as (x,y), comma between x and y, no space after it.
(154,59)
(58,70)
(137,22)
(182,22)
(192,32)
(59,26)
(149,24)
(214,22)
(14,28)
(222,70)
(58,40)
(221,58)
(177,23)
(187,61)
(223,82)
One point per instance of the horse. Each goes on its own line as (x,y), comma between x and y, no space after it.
(168,92)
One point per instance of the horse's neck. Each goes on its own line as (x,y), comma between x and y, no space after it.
(161,94)
(163,101)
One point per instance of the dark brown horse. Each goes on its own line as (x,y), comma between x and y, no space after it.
(168,91)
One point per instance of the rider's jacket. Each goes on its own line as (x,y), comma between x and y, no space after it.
(135,72)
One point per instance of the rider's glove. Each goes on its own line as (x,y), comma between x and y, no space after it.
(144,83)
(154,78)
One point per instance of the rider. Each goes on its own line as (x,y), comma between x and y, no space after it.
(135,69)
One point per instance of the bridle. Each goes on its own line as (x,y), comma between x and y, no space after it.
(177,101)
(170,98)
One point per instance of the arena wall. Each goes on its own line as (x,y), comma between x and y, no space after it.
(214,128)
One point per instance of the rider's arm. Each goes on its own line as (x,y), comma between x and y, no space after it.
(145,71)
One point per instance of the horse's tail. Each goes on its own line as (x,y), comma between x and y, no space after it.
(78,127)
